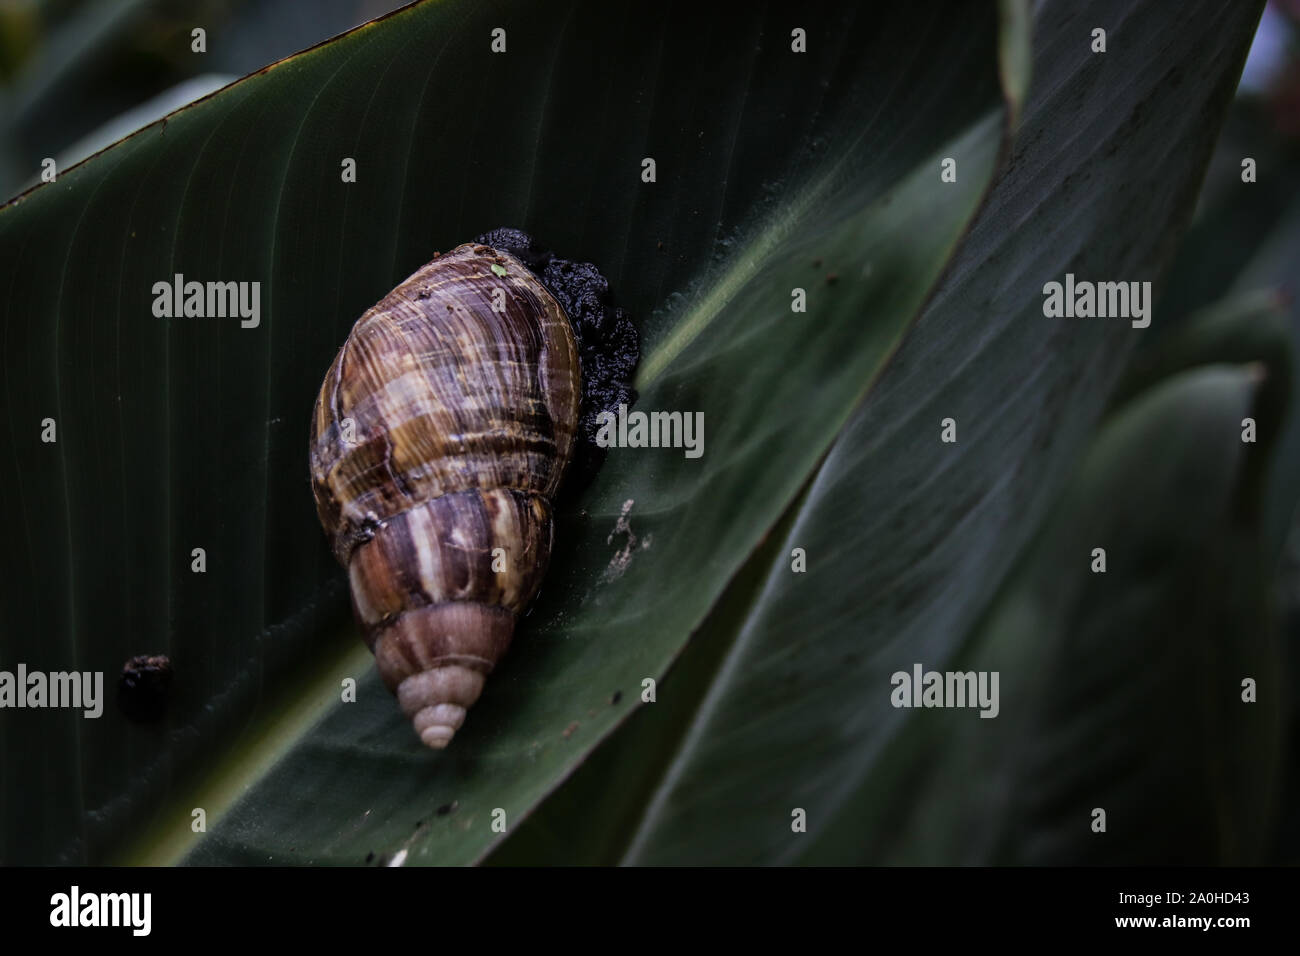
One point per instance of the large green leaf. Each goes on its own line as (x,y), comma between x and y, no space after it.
(776,170)
(1240,255)
(1122,690)
(1244,245)
(786,693)
(1273,270)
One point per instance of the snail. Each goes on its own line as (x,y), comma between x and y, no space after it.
(442,435)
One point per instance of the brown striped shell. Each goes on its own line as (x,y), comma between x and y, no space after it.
(440,436)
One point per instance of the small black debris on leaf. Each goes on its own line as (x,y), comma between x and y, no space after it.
(609,346)
(143,687)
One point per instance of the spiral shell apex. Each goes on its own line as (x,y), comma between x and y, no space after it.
(440,438)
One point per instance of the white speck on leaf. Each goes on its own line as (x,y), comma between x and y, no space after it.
(623,557)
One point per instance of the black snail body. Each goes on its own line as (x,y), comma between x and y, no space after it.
(442,435)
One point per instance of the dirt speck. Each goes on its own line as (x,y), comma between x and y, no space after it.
(568,731)
(144,687)
(615,697)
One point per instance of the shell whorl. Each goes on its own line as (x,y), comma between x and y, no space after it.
(441,434)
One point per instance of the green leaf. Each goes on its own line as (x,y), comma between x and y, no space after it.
(1261,325)
(1122,690)
(775,171)
(1272,269)
(76,41)
(908,538)
(1245,244)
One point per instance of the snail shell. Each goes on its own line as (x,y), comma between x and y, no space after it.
(441,434)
